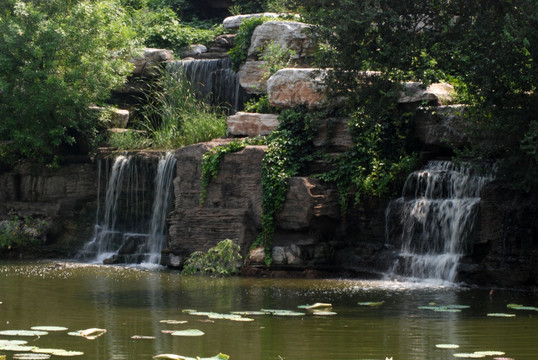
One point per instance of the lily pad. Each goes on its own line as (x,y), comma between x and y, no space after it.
(23,333)
(188,332)
(21,348)
(49,328)
(490,353)
(323,313)
(248,313)
(521,307)
(502,315)
(169,357)
(447,346)
(469,355)
(318,306)
(90,334)
(173,322)
(371,303)
(283,312)
(185,311)
(143,337)
(13,342)
(30,356)
(66,353)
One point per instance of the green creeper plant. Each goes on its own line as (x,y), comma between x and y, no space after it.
(221,260)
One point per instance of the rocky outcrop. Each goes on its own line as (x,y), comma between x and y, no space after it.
(506,252)
(117,118)
(148,63)
(66,197)
(441,126)
(435,94)
(286,34)
(293,87)
(251,124)
(233,22)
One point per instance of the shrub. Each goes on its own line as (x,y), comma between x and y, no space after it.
(223,259)
(22,232)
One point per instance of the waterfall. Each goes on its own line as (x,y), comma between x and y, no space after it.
(213,80)
(434,219)
(129,230)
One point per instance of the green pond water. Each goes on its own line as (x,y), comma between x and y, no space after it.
(130,301)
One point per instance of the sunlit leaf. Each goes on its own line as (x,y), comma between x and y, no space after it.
(13,342)
(142,337)
(248,313)
(371,303)
(469,355)
(173,322)
(23,333)
(447,346)
(49,328)
(188,332)
(30,356)
(282,312)
(318,306)
(89,334)
(501,315)
(490,353)
(323,313)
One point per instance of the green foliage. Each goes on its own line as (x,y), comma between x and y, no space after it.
(174,117)
(261,105)
(289,151)
(487,48)
(223,259)
(257,6)
(275,57)
(161,28)
(211,161)
(238,54)
(21,232)
(56,58)
(128,140)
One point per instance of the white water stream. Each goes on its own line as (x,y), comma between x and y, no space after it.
(434,219)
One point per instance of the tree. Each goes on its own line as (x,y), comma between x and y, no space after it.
(488,49)
(57,57)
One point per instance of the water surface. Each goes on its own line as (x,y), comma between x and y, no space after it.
(130,301)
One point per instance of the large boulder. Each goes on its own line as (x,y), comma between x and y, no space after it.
(233,22)
(287,34)
(292,87)
(148,62)
(252,77)
(436,94)
(251,124)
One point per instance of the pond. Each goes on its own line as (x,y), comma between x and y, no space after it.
(133,301)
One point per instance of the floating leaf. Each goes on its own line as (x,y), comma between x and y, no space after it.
(501,315)
(372,303)
(248,313)
(318,306)
(23,333)
(469,355)
(29,356)
(22,348)
(169,357)
(231,317)
(444,308)
(521,307)
(447,346)
(490,353)
(188,332)
(283,312)
(89,334)
(186,311)
(173,322)
(60,352)
(323,313)
(49,328)
(13,342)
(143,337)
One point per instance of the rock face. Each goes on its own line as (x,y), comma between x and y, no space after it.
(148,62)
(438,93)
(292,87)
(65,196)
(442,126)
(506,253)
(233,206)
(286,34)
(250,124)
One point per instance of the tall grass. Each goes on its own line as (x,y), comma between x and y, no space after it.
(173,117)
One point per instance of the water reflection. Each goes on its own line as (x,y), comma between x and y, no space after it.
(132,301)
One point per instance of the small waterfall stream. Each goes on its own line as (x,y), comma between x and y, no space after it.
(132,227)
(434,219)
(213,80)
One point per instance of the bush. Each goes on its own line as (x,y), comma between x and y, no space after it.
(22,232)
(223,259)
(51,71)
(238,54)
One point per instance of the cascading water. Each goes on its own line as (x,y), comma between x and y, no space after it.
(433,220)
(212,79)
(129,230)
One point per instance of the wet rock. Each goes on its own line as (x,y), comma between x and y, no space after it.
(437,94)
